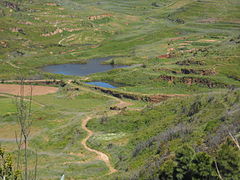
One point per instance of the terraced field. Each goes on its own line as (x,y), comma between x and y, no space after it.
(181,86)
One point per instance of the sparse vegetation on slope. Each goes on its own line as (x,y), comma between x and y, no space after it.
(184,49)
(145,144)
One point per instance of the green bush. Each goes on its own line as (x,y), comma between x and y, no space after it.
(201,166)
(7,170)
(228,161)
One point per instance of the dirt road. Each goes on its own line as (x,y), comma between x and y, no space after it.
(100,155)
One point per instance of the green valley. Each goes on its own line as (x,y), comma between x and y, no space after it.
(160,100)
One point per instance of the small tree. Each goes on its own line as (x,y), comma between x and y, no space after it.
(166,170)
(7,171)
(228,161)
(24,108)
(202,166)
(104,118)
(183,159)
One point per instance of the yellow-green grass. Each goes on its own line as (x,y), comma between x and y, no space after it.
(138,32)
(56,133)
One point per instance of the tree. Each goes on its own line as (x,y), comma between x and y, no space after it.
(24,110)
(183,158)
(25,123)
(228,161)
(201,166)
(166,170)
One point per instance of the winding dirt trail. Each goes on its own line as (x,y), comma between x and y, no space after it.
(100,155)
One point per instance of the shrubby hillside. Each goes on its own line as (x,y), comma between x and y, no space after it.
(175,111)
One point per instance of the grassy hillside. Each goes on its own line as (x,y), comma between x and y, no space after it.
(141,142)
(187,47)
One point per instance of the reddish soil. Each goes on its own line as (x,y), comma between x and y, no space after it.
(177,38)
(194,80)
(14,89)
(164,56)
(162,97)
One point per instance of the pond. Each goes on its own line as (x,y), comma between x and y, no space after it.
(102,84)
(92,66)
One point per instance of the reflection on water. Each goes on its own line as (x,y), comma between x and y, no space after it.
(92,66)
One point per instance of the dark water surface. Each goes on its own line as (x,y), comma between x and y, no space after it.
(92,66)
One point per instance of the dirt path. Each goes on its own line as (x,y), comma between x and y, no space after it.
(60,42)
(100,155)
(13,65)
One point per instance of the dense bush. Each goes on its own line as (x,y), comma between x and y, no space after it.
(228,161)
(7,171)
(190,165)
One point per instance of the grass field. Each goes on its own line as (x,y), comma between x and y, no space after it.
(56,133)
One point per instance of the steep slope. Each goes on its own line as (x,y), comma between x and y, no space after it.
(144,143)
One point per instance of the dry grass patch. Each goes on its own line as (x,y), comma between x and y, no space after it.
(14,89)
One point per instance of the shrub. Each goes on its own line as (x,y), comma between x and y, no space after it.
(166,170)
(202,166)
(195,108)
(228,161)
(180,130)
(183,159)
(6,167)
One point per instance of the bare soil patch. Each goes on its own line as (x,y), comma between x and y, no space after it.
(92,18)
(14,89)
(209,20)
(207,40)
